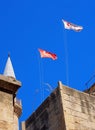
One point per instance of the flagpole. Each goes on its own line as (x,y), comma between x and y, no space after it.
(76,28)
(44,54)
(66,56)
(41,78)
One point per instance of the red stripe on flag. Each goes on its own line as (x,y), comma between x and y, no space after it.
(46,54)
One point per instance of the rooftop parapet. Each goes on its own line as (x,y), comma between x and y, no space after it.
(17,107)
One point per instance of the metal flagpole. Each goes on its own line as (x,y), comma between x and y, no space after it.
(41,78)
(66,56)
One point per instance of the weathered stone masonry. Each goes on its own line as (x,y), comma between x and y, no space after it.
(64,109)
(10,110)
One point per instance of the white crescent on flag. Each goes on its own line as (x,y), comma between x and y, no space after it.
(69,25)
(45,54)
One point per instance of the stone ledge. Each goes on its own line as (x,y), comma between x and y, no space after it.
(9,84)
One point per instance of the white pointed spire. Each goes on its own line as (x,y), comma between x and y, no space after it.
(9,71)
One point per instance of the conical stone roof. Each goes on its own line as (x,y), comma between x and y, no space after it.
(9,71)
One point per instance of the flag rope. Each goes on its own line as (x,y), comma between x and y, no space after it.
(50,88)
(34,99)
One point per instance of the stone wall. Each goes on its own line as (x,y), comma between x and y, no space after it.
(65,109)
(6,111)
(79,109)
(48,116)
(16,124)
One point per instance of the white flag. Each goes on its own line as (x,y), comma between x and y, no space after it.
(68,25)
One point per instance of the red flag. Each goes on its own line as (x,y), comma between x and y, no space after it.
(45,54)
(68,25)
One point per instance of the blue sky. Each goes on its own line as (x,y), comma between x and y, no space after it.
(26,25)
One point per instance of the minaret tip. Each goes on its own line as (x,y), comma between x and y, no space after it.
(9,71)
(8,54)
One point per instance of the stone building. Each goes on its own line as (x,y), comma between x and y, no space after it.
(10,106)
(64,109)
